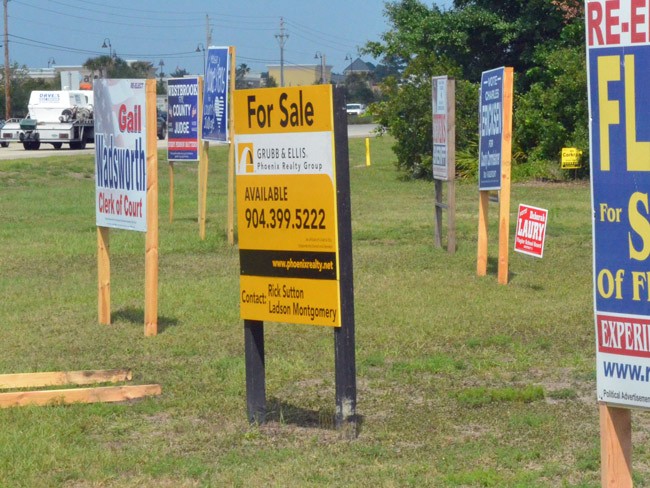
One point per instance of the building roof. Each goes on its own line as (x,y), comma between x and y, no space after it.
(358,66)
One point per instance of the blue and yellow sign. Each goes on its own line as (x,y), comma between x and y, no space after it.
(491,129)
(618,63)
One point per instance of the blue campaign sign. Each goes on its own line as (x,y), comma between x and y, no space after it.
(215,95)
(620,153)
(491,129)
(183,119)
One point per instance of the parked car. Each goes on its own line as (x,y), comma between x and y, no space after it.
(3,143)
(356,108)
(161,124)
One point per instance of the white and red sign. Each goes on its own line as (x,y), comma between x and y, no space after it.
(120,154)
(531,230)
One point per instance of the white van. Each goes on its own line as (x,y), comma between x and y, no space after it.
(356,108)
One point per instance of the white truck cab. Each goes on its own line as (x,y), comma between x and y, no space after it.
(55,117)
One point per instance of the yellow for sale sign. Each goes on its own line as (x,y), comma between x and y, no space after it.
(287,205)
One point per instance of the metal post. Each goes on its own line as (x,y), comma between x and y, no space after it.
(255,371)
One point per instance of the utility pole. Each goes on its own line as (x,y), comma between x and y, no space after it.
(7,70)
(282,39)
(208,32)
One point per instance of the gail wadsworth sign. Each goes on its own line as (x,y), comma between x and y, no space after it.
(120,154)
(618,56)
(286,200)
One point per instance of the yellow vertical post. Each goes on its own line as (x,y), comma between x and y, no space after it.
(615,447)
(367,151)
(103,275)
(230,231)
(151,244)
(506,162)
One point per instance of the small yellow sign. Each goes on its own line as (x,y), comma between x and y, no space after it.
(571,158)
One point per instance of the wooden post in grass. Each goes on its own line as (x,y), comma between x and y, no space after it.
(151,240)
(615,446)
(204,147)
(495,154)
(230,230)
(171,192)
(443,95)
(482,258)
(103,275)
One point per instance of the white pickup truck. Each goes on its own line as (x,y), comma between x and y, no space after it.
(55,117)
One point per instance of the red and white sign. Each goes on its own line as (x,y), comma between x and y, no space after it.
(121,154)
(531,230)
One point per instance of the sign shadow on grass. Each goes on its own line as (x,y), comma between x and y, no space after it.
(286,413)
(493,268)
(136,316)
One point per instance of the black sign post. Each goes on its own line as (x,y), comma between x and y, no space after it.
(344,349)
(344,344)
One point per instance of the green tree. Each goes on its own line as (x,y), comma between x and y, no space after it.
(462,42)
(21,87)
(357,88)
(240,76)
(179,73)
(115,67)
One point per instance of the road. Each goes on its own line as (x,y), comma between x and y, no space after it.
(16,150)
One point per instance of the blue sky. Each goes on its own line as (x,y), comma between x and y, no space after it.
(70,31)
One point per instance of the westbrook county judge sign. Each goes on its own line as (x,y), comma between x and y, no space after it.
(618,57)
(120,154)
(183,119)
(286,200)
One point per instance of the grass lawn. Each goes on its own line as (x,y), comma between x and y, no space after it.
(461,381)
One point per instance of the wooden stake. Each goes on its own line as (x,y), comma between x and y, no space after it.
(437,184)
(58,378)
(171,192)
(451,215)
(615,446)
(151,251)
(204,147)
(506,163)
(203,186)
(105,394)
(230,231)
(482,257)
(103,275)
(451,157)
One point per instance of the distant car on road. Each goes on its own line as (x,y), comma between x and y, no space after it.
(161,116)
(356,108)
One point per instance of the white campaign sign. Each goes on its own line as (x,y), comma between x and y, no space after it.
(120,154)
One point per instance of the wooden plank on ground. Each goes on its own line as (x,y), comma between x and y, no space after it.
(60,378)
(106,394)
